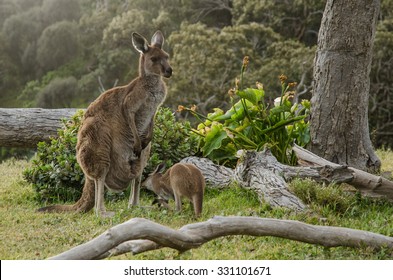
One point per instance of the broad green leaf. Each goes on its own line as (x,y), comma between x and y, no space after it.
(217,112)
(213,139)
(251,94)
(233,111)
(238,115)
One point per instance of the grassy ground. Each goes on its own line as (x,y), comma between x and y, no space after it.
(26,234)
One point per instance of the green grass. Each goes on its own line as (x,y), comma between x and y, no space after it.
(26,234)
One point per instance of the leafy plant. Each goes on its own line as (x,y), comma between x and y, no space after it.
(56,175)
(172,140)
(253,124)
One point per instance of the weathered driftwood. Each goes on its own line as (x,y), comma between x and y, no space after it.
(25,127)
(140,235)
(261,172)
(368,184)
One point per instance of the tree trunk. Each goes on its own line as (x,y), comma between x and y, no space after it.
(339,119)
(26,127)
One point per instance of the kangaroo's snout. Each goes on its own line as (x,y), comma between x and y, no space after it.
(168,72)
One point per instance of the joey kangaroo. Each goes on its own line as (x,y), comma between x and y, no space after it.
(113,140)
(181,180)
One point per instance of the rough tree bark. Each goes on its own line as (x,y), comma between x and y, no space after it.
(140,235)
(339,119)
(26,127)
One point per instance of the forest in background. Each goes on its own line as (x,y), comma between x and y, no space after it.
(64,53)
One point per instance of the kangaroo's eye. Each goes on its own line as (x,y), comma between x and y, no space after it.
(154,59)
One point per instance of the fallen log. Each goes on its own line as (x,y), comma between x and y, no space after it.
(261,172)
(217,176)
(367,183)
(25,127)
(140,235)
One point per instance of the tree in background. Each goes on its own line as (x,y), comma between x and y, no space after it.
(200,51)
(7,9)
(8,72)
(58,44)
(21,29)
(60,10)
(59,93)
(339,120)
(381,90)
(298,20)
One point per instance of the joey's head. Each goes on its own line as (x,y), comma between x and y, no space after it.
(152,181)
(154,61)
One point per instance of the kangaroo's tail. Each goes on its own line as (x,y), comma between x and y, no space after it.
(84,204)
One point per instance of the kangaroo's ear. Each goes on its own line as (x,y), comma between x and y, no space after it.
(140,43)
(157,39)
(160,168)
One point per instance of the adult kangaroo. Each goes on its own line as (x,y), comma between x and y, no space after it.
(181,180)
(113,140)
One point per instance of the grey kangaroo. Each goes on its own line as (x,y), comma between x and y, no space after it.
(113,140)
(181,180)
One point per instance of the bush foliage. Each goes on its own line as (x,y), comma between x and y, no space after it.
(56,175)
(253,124)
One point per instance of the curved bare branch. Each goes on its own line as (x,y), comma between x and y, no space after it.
(140,235)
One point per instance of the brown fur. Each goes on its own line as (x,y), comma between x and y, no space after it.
(113,141)
(181,180)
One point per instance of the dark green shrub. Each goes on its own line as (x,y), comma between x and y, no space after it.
(172,140)
(56,175)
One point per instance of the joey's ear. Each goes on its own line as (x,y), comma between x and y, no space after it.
(140,43)
(160,168)
(158,39)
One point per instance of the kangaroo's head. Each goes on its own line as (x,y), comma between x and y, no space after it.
(154,61)
(151,182)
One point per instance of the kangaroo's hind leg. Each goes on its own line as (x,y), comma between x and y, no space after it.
(178,202)
(134,192)
(136,182)
(99,208)
(196,202)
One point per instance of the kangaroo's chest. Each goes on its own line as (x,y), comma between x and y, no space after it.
(146,113)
